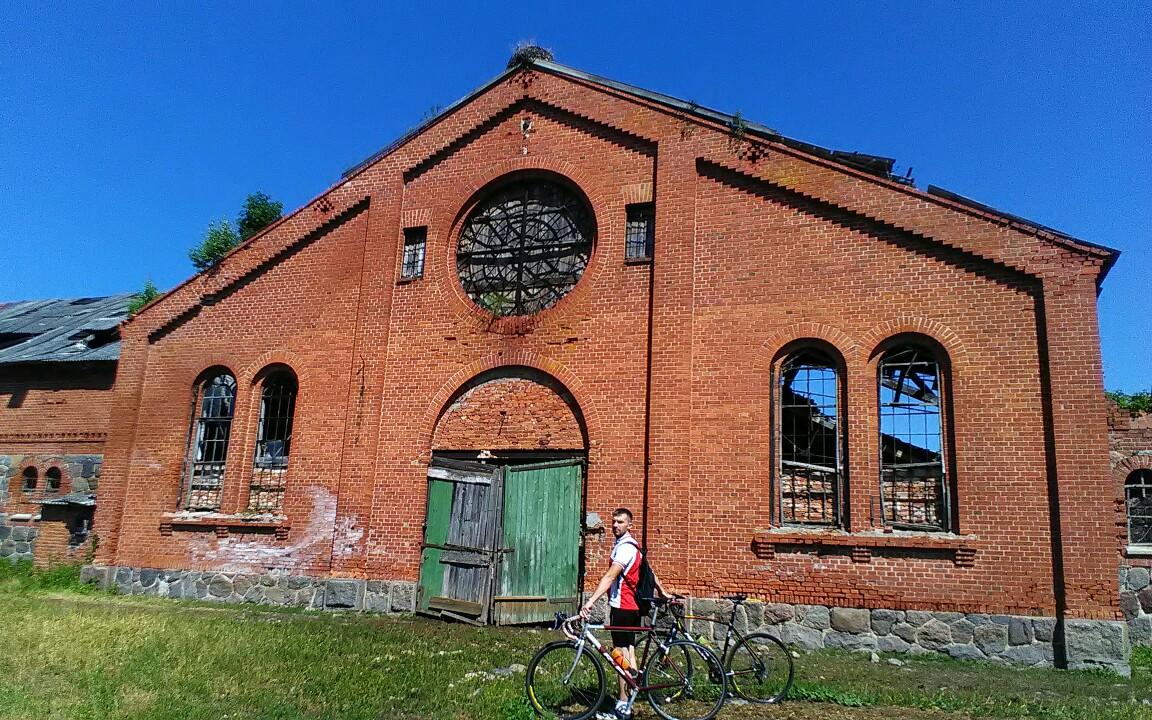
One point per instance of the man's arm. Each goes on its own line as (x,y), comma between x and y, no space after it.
(604,586)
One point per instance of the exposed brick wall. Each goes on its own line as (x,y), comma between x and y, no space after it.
(508,414)
(754,250)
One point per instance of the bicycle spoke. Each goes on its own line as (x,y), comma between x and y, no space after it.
(760,668)
(686,682)
(564,684)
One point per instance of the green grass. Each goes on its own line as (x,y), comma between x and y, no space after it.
(71,652)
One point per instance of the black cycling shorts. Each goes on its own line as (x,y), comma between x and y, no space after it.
(629,618)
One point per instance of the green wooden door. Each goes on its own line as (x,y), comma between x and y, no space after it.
(539,565)
(461,540)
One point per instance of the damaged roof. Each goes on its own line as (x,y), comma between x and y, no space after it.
(86,499)
(876,165)
(78,330)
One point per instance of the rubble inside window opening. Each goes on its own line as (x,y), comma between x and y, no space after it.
(273,443)
(913,482)
(209,451)
(1138,503)
(810,440)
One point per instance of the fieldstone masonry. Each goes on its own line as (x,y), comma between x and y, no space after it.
(1136,603)
(16,542)
(1005,639)
(267,589)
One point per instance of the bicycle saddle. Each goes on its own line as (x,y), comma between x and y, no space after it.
(736,599)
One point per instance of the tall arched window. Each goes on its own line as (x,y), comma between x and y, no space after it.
(914,490)
(31,478)
(811,439)
(1138,501)
(213,405)
(52,480)
(273,441)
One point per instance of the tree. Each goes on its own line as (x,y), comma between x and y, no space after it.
(217,242)
(1140,402)
(259,212)
(142,298)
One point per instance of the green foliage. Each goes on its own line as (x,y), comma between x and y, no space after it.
(1140,402)
(22,577)
(217,242)
(259,212)
(142,298)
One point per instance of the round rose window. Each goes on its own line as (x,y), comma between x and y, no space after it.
(525,247)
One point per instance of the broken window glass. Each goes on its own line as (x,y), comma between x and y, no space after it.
(913,488)
(525,247)
(415,242)
(209,451)
(810,440)
(273,442)
(640,234)
(1138,500)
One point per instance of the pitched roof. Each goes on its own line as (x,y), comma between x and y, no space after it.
(77,330)
(876,165)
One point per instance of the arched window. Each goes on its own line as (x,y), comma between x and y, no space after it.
(273,441)
(52,480)
(1138,501)
(811,440)
(213,405)
(914,486)
(31,478)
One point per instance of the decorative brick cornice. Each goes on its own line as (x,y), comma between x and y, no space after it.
(45,437)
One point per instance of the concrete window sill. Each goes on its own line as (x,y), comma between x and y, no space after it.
(223,525)
(862,546)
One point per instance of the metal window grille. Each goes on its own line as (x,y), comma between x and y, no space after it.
(31,478)
(810,440)
(209,451)
(525,247)
(273,443)
(52,480)
(1138,501)
(415,242)
(640,235)
(913,482)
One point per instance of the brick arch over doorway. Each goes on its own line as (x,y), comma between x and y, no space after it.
(511,408)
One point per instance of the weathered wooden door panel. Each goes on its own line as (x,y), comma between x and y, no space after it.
(460,539)
(539,568)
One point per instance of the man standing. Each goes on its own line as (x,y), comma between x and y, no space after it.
(620,583)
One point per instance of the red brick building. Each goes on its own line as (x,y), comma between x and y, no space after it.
(876,408)
(1130,436)
(57,368)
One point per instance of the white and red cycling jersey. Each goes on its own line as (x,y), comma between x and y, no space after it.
(626,552)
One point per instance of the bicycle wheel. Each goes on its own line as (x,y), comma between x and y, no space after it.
(760,668)
(564,684)
(687,682)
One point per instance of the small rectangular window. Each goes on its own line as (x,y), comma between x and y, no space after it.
(640,236)
(415,240)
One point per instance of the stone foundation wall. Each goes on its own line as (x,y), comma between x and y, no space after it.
(1136,603)
(1006,639)
(280,589)
(17,542)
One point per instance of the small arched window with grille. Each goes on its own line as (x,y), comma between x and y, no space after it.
(1138,502)
(213,405)
(52,480)
(810,436)
(31,478)
(273,441)
(914,487)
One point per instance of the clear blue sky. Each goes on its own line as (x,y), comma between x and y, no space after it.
(125,129)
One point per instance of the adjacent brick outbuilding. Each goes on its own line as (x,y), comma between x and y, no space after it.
(670,363)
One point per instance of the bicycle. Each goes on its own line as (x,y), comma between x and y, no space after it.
(565,678)
(758,665)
